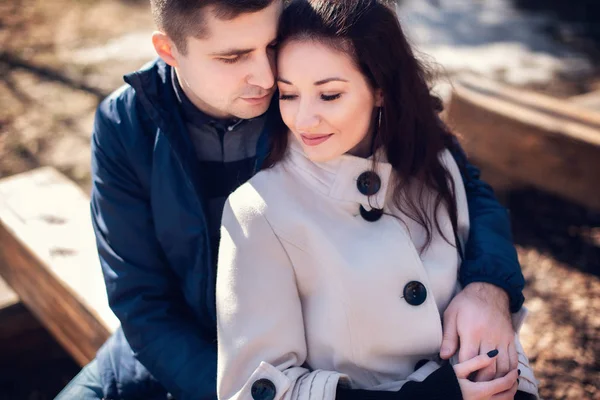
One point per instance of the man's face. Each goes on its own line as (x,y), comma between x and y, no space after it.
(230,73)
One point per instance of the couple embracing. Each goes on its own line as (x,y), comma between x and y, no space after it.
(281,214)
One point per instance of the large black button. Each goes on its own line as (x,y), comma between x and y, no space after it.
(420,363)
(372,215)
(263,389)
(415,293)
(368,183)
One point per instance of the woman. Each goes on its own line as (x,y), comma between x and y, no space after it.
(338,261)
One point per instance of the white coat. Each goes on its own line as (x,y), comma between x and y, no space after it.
(309,292)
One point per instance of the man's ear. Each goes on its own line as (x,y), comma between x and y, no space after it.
(164,48)
(378,98)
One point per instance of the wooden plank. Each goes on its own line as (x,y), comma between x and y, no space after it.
(7,296)
(31,361)
(13,318)
(530,138)
(589,100)
(48,256)
(564,110)
(20,332)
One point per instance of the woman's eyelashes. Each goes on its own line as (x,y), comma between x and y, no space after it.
(324,97)
(330,97)
(287,96)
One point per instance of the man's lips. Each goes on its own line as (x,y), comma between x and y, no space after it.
(256,100)
(315,139)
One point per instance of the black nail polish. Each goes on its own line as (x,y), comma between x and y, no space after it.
(492,353)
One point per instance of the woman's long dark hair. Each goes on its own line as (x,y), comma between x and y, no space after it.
(410,133)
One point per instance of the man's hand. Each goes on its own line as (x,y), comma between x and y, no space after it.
(479,318)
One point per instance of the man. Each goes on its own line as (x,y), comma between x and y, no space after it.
(167,149)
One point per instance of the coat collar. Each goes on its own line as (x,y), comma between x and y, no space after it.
(338,178)
(154,89)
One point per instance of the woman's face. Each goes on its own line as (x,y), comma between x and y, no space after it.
(325,100)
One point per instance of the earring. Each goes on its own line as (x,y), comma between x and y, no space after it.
(379,119)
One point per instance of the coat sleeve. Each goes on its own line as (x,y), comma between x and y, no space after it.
(490,255)
(260,327)
(142,289)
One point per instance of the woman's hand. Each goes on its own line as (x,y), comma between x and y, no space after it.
(499,388)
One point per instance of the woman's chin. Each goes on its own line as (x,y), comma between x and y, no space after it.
(315,155)
(323,152)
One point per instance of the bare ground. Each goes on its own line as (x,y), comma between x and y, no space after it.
(47,102)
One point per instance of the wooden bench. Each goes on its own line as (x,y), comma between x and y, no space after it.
(589,100)
(8,297)
(49,259)
(15,321)
(527,138)
(24,343)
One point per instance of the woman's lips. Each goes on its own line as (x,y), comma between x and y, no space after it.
(315,140)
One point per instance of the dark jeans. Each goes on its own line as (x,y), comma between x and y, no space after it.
(85,386)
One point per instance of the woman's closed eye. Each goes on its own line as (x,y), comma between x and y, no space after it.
(324,97)
(283,96)
(330,97)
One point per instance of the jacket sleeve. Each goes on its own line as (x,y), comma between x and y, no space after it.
(260,328)
(490,255)
(142,290)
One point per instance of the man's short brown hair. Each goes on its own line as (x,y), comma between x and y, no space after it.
(181,19)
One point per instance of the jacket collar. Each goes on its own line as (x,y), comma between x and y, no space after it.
(154,89)
(338,178)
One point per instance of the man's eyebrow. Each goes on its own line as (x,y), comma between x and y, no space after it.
(279,79)
(232,52)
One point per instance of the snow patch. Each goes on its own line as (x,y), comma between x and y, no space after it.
(489,37)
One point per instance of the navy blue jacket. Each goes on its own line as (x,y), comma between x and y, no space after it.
(148,212)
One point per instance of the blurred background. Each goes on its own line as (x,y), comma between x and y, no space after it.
(520,80)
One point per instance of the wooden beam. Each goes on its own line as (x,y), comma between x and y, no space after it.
(11,315)
(8,297)
(589,100)
(531,138)
(48,257)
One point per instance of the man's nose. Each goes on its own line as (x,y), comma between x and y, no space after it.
(262,74)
